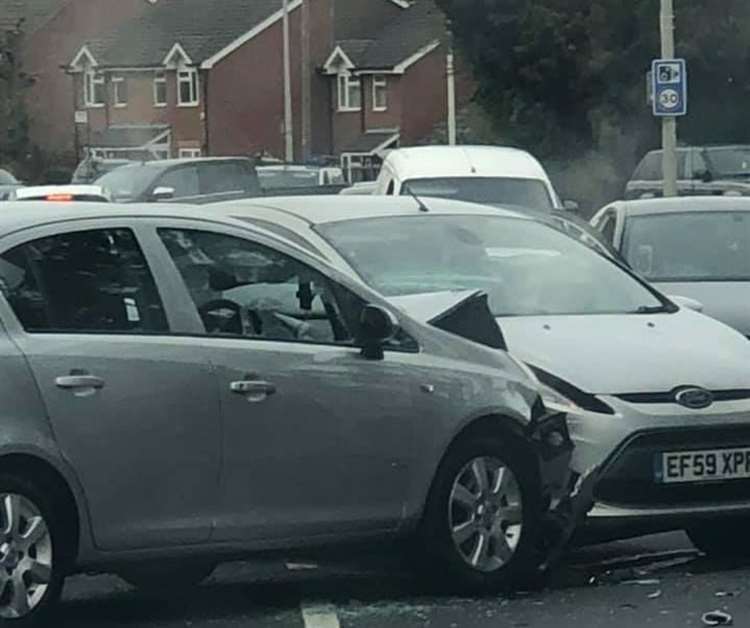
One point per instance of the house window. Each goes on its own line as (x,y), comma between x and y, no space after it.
(350,92)
(187,87)
(379,93)
(160,89)
(189,153)
(120,91)
(94,89)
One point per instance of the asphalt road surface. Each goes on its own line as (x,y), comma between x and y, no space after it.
(656,581)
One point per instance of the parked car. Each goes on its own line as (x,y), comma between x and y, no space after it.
(701,170)
(482,174)
(8,183)
(179,389)
(280,178)
(61,193)
(655,391)
(698,248)
(195,181)
(92,168)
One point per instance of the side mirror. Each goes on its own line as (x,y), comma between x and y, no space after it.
(687,303)
(162,194)
(571,206)
(377,326)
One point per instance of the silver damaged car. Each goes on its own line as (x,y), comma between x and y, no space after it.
(176,391)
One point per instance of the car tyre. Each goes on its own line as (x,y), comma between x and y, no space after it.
(723,538)
(32,553)
(484,535)
(169,577)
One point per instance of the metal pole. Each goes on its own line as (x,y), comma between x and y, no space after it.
(451,80)
(306,82)
(669,124)
(288,129)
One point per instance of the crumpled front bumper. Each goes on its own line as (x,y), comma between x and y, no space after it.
(567,496)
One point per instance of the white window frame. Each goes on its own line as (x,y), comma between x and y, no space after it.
(92,79)
(160,78)
(189,76)
(379,82)
(116,82)
(345,84)
(190,153)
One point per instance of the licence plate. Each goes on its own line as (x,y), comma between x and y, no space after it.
(702,466)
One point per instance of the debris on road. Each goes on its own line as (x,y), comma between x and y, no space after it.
(654,595)
(717,618)
(646,582)
(725,594)
(301,566)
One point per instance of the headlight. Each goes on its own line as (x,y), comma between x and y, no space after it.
(556,401)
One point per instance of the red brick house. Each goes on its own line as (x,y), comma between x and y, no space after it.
(53,31)
(194,77)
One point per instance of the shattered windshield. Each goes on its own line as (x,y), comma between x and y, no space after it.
(528,269)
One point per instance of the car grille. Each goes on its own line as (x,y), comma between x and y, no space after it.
(669,397)
(628,477)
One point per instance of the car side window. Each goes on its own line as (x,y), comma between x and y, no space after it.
(85,281)
(220,178)
(391,188)
(241,288)
(649,169)
(183,180)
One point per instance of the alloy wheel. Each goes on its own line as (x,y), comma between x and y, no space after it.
(25,556)
(486,514)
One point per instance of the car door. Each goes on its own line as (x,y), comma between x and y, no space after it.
(182,180)
(317,439)
(134,410)
(226,180)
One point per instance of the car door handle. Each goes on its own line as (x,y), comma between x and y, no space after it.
(79,381)
(253,387)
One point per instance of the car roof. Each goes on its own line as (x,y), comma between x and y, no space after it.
(325,209)
(19,215)
(464,161)
(684,204)
(703,147)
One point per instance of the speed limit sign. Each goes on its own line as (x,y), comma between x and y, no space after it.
(669,78)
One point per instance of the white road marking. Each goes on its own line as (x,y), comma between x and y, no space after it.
(319,616)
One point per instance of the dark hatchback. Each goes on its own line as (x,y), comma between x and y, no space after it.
(195,181)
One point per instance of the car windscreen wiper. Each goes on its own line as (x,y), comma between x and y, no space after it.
(651,309)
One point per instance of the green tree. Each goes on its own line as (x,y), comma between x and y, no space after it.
(15,145)
(566,78)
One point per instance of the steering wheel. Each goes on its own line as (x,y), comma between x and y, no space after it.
(216,323)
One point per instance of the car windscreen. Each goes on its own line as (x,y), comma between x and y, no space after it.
(530,193)
(729,162)
(128,182)
(689,246)
(527,268)
(6,178)
(285,179)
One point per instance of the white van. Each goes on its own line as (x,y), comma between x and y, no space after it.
(494,175)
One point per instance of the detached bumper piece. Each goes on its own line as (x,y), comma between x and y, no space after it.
(567,497)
